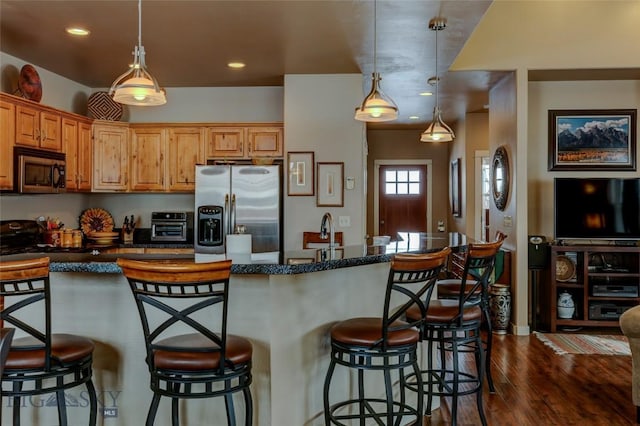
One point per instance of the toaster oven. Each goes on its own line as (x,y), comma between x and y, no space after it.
(171,226)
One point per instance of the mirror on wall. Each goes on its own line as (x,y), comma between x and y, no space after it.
(500,177)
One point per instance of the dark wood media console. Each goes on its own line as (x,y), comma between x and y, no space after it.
(603,281)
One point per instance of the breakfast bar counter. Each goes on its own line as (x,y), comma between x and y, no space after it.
(286,309)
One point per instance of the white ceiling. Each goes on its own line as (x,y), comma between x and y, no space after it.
(189,43)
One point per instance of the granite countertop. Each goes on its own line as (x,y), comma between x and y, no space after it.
(294,262)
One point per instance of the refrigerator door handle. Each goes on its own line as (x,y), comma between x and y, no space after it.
(233,212)
(227,215)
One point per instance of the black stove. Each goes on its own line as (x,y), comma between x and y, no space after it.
(25,236)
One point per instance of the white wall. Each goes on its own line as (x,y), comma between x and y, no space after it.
(318,117)
(214,105)
(57,91)
(543,96)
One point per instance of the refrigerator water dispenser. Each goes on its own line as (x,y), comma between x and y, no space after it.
(210,226)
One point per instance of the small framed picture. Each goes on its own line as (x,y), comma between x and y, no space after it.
(300,173)
(592,139)
(330,185)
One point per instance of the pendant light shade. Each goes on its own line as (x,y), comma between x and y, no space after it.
(438,130)
(376,106)
(137,86)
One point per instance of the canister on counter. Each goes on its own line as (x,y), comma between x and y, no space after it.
(77,238)
(52,238)
(67,238)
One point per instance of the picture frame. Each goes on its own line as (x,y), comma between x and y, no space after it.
(300,173)
(330,185)
(582,139)
(456,188)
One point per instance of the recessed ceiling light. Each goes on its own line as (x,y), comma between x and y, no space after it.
(426,93)
(413,117)
(236,65)
(77,31)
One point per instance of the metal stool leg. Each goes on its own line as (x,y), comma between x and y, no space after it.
(153,409)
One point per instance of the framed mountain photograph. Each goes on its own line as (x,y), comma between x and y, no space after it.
(592,139)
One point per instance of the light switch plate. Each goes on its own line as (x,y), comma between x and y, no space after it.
(344,221)
(508,221)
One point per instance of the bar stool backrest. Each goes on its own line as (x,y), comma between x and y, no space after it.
(180,298)
(478,268)
(411,281)
(24,286)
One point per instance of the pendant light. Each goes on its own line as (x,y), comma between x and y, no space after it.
(137,86)
(376,106)
(438,131)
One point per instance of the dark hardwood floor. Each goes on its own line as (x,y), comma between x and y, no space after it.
(535,387)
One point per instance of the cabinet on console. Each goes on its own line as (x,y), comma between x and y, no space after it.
(602,281)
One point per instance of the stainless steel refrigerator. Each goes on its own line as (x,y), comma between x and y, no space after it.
(238,198)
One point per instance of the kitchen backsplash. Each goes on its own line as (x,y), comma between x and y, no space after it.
(68,207)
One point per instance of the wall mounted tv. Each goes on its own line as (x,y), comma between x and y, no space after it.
(597,208)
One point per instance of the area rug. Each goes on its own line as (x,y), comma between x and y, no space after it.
(585,344)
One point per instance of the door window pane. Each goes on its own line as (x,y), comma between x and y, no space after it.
(402,182)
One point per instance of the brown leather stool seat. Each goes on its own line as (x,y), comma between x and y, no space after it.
(450,288)
(40,362)
(204,362)
(384,345)
(445,311)
(203,356)
(368,331)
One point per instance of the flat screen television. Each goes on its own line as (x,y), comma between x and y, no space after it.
(597,208)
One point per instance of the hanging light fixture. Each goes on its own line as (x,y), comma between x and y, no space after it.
(137,86)
(376,106)
(438,131)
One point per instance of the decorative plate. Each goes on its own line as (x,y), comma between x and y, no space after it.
(565,268)
(96,220)
(102,107)
(29,83)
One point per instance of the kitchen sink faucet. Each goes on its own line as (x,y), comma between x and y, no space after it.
(323,230)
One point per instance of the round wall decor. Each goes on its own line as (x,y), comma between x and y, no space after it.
(29,83)
(500,177)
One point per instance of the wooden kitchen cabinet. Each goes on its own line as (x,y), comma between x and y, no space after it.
(78,146)
(225,142)
(265,142)
(110,156)
(147,153)
(7,135)
(244,142)
(37,127)
(186,149)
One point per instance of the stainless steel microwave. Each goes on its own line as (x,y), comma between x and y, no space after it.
(38,171)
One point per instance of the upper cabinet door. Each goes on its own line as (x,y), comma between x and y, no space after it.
(225,142)
(186,149)
(265,142)
(77,145)
(147,159)
(110,156)
(7,135)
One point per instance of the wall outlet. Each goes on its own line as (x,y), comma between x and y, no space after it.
(344,221)
(508,221)
(441,226)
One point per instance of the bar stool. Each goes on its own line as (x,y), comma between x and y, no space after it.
(450,289)
(385,344)
(454,325)
(201,363)
(39,361)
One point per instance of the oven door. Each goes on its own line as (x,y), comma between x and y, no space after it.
(169,231)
